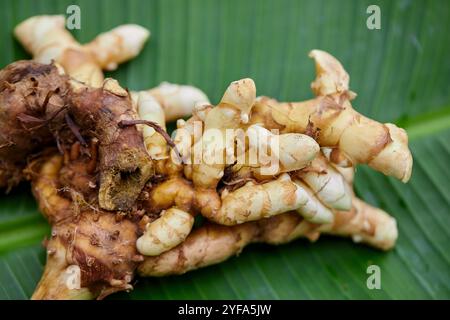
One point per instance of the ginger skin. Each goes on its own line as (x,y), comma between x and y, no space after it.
(100,245)
(331,118)
(172,198)
(212,243)
(124,165)
(23,92)
(82,232)
(166,232)
(46,38)
(259,201)
(109,162)
(177,101)
(41,107)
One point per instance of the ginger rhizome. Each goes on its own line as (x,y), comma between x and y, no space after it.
(98,248)
(213,243)
(176,100)
(314,186)
(122,197)
(315,191)
(46,38)
(251,201)
(331,118)
(91,252)
(101,246)
(40,108)
(32,111)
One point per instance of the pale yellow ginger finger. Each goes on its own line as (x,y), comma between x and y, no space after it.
(365,223)
(330,74)
(340,164)
(149,109)
(149,106)
(323,183)
(270,154)
(257,201)
(254,202)
(118,45)
(395,158)
(313,209)
(180,157)
(167,161)
(46,188)
(207,245)
(174,225)
(178,101)
(395,152)
(46,38)
(327,184)
(384,147)
(211,243)
(239,95)
(217,143)
(296,151)
(169,230)
(184,138)
(173,192)
(336,157)
(348,174)
(331,119)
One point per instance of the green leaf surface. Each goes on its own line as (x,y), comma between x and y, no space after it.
(401,74)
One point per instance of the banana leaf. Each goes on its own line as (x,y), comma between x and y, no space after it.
(401,73)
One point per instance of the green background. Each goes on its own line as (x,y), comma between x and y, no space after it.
(401,74)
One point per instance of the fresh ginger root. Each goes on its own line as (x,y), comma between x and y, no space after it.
(258,196)
(40,107)
(327,183)
(254,200)
(91,253)
(250,202)
(232,111)
(166,232)
(172,199)
(212,243)
(204,246)
(46,38)
(331,118)
(120,160)
(84,239)
(291,151)
(176,100)
(316,192)
(235,104)
(149,109)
